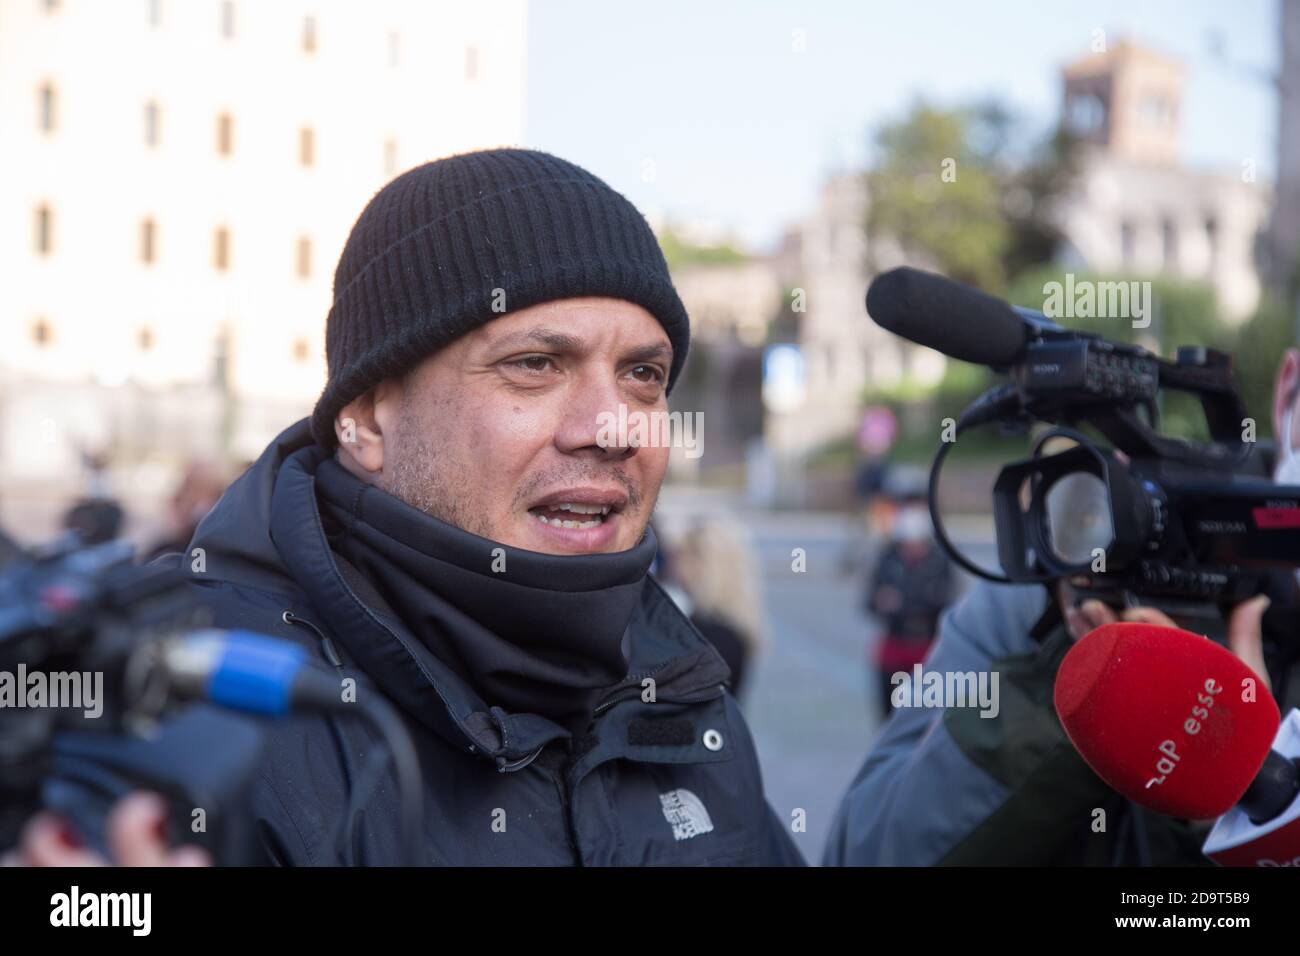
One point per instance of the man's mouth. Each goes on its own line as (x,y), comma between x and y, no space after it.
(573,511)
(570,514)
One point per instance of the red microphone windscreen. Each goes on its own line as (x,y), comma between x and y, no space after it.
(1168,718)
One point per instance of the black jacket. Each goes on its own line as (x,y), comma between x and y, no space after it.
(923,590)
(639,788)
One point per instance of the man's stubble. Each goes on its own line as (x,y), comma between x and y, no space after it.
(432,481)
(428,475)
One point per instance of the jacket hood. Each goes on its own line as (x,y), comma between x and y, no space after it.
(266,533)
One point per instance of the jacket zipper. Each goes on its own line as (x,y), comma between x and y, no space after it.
(570,830)
(520,764)
(327,646)
(332,655)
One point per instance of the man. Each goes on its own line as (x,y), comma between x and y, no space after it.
(952,787)
(454,524)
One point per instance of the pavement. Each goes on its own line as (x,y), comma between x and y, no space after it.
(810,699)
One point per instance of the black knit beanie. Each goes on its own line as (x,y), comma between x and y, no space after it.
(438,247)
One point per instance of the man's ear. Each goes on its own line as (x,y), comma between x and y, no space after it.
(1285,387)
(360,427)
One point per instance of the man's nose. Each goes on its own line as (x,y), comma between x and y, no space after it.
(596,422)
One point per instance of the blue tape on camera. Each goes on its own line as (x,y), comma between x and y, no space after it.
(256,673)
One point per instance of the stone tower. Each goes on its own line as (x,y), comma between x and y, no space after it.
(1126,100)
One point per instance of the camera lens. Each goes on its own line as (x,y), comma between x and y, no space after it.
(1077,517)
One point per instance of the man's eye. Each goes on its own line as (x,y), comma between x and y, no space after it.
(533,363)
(647,373)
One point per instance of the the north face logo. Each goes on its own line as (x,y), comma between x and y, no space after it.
(685,813)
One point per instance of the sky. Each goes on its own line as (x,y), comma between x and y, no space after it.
(706,112)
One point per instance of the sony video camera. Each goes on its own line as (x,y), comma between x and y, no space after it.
(1183,525)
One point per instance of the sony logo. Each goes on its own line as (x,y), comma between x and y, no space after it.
(1222,527)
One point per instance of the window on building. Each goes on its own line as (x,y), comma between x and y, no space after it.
(154,12)
(390,157)
(221,249)
(471,63)
(144,338)
(394,47)
(1127,242)
(1086,114)
(44,230)
(309,34)
(42,334)
(151,130)
(1169,243)
(147,239)
(306,146)
(225,134)
(301,350)
(51,6)
(1212,237)
(228,19)
(47,106)
(304,257)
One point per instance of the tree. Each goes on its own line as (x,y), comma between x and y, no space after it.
(681,253)
(1261,343)
(954,191)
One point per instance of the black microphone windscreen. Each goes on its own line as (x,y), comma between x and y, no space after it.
(947,316)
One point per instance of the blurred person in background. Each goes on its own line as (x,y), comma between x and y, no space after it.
(877,432)
(97,517)
(948,786)
(716,585)
(201,486)
(913,581)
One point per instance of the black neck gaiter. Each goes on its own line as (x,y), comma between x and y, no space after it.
(529,632)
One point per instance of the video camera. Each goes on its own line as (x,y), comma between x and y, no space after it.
(72,614)
(73,617)
(1182,524)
